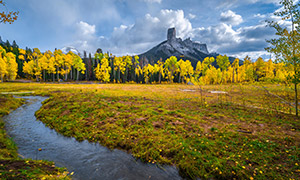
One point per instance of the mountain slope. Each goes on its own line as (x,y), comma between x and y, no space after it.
(186,50)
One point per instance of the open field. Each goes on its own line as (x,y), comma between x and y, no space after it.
(246,133)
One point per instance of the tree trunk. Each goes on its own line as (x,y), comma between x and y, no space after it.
(44,75)
(53,76)
(66,74)
(233,75)
(171,77)
(77,75)
(1,78)
(57,74)
(296,99)
(159,77)
(119,74)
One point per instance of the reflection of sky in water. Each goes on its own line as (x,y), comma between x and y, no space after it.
(86,160)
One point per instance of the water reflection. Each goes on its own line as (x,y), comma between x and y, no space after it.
(86,160)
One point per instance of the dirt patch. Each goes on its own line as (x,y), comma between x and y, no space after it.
(157,124)
(66,112)
(177,123)
(2,100)
(14,168)
(2,146)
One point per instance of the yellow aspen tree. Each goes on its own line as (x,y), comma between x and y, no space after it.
(98,57)
(52,67)
(241,75)
(190,70)
(138,71)
(198,69)
(67,65)
(279,72)
(229,76)
(135,64)
(58,57)
(197,73)
(235,67)
(28,67)
(213,76)
(171,66)
(102,71)
(12,66)
(160,69)
(127,64)
(22,54)
(78,64)
(248,70)
(223,63)
(3,65)
(269,70)
(259,69)
(118,65)
(182,70)
(34,68)
(44,65)
(3,68)
(148,71)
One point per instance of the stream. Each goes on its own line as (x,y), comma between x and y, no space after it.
(86,160)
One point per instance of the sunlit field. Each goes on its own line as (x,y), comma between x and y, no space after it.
(242,131)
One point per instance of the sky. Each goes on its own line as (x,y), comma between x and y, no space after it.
(232,27)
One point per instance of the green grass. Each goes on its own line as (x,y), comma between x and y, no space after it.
(244,134)
(11,165)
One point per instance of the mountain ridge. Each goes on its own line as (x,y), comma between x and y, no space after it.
(182,49)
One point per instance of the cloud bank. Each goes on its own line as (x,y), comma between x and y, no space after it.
(151,29)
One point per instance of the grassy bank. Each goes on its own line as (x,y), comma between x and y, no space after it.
(247,133)
(13,167)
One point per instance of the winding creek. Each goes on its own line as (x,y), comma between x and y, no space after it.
(86,160)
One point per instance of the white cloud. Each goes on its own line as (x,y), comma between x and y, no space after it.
(231,17)
(86,29)
(150,30)
(86,37)
(192,16)
(153,1)
(223,39)
(236,3)
(262,16)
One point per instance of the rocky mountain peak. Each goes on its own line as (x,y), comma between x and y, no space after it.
(171,34)
(187,49)
(67,49)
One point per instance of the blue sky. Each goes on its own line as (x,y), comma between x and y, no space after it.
(231,27)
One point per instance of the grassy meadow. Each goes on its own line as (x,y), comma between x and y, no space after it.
(249,132)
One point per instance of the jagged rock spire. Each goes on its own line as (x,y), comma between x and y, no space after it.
(171,34)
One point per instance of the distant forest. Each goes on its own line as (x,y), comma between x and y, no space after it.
(104,67)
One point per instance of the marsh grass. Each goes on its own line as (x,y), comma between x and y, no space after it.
(243,134)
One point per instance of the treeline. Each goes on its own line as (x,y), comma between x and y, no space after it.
(57,66)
